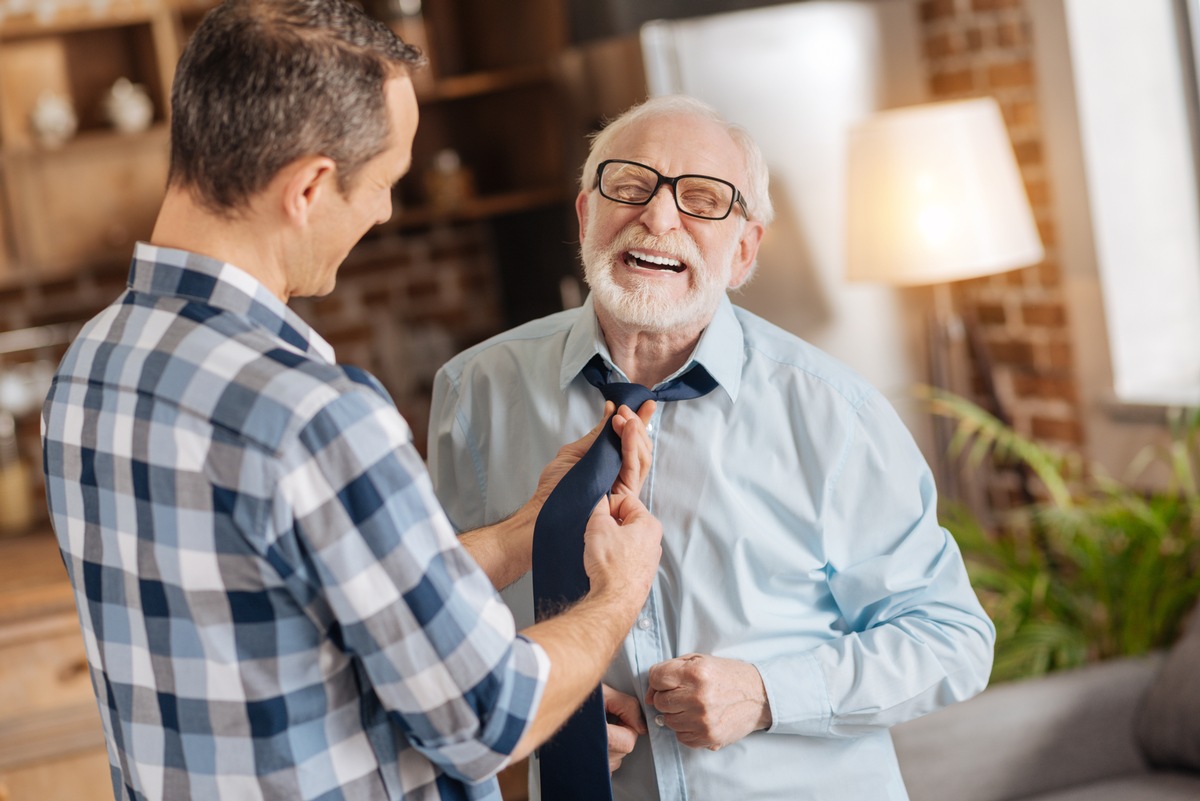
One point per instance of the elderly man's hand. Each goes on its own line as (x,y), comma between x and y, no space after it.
(709,702)
(625,723)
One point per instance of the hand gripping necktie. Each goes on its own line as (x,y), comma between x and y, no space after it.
(574,762)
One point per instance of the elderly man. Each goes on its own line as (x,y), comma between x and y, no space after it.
(273,603)
(807,598)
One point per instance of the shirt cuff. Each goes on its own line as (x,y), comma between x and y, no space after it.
(797,695)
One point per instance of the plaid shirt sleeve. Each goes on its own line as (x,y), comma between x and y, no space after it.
(435,640)
(273,604)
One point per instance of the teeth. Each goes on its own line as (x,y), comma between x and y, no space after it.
(662,260)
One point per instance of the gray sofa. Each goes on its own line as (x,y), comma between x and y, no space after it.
(1122,730)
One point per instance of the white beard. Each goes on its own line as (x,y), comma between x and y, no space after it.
(644,303)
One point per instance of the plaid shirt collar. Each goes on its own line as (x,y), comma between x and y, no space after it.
(168,272)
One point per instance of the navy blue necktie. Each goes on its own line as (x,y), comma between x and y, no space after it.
(574,762)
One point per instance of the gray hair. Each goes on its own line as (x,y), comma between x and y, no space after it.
(264,82)
(756,193)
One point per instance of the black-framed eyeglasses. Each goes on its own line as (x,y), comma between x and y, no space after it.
(700,196)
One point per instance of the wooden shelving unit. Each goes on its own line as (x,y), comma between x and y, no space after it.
(87,200)
(493,94)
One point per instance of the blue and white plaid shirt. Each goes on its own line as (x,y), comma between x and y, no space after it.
(273,603)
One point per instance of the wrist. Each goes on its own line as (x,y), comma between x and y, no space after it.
(765,718)
(522,521)
(618,601)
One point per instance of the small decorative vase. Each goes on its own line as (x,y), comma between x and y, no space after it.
(448,184)
(128,107)
(53,120)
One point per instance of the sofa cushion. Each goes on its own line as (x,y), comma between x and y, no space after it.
(1167,726)
(1140,786)
(1023,739)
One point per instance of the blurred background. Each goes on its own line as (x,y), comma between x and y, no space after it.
(1048,370)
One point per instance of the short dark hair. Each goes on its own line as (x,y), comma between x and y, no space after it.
(262,83)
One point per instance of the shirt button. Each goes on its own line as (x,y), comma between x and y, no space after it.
(649,427)
(643,623)
(660,721)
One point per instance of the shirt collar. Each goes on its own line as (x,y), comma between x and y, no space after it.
(169,272)
(719,349)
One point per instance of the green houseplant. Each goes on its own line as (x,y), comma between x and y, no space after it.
(1093,568)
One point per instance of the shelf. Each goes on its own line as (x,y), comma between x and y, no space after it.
(477,208)
(481,83)
(76,18)
(80,65)
(492,93)
(86,202)
(91,141)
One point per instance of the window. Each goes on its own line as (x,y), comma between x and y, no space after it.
(1135,92)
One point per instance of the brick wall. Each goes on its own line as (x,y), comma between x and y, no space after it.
(975,48)
(404,305)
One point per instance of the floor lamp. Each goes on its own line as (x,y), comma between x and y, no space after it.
(935,196)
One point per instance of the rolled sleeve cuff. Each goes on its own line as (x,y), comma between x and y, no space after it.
(797,694)
(531,671)
(533,664)
(480,758)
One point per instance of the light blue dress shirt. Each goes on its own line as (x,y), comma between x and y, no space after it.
(799,534)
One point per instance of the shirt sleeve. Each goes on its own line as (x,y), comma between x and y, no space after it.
(455,465)
(439,647)
(916,636)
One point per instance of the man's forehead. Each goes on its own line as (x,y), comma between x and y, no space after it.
(678,144)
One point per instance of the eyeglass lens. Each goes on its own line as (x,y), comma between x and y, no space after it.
(697,195)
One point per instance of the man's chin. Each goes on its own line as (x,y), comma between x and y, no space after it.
(657,316)
(657,312)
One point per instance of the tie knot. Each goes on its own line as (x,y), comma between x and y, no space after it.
(624,393)
(692,384)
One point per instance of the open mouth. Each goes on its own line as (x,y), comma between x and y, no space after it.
(647,261)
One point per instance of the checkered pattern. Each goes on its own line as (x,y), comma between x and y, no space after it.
(272,601)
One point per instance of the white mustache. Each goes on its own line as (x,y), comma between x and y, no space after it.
(677,245)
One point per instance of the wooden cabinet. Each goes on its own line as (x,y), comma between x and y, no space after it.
(492,143)
(51,741)
(82,197)
(494,96)
(491,94)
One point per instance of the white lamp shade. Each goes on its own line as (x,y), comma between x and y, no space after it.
(934,195)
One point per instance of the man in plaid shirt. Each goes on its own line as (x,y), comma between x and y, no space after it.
(273,603)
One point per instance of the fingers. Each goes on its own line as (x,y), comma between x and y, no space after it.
(625,724)
(628,509)
(646,411)
(621,741)
(567,456)
(644,414)
(709,702)
(622,548)
(636,450)
(625,708)
(671,674)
